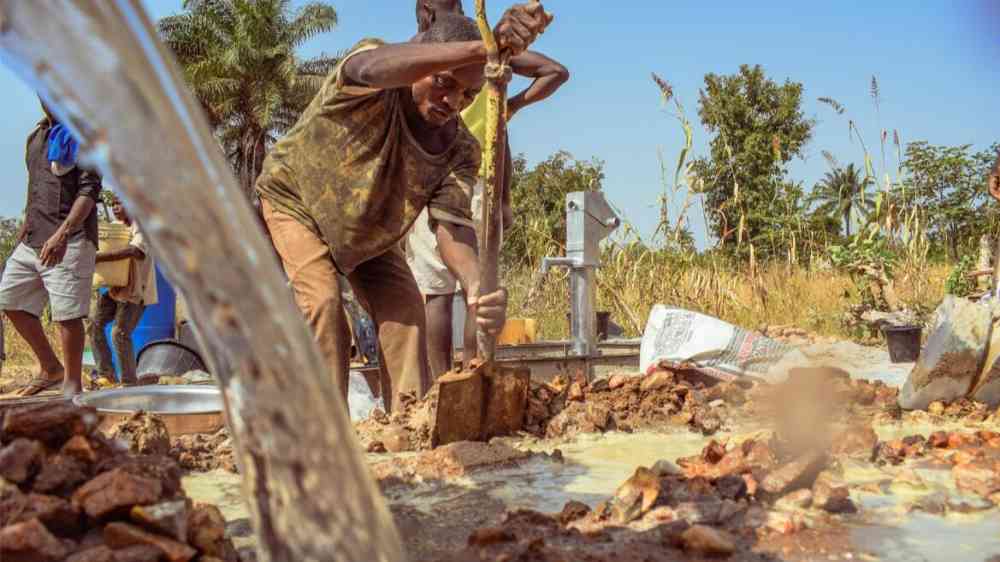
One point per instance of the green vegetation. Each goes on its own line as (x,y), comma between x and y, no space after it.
(239,58)
(757,128)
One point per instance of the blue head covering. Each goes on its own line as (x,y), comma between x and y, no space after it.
(63,148)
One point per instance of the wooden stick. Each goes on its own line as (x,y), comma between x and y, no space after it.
(494,155)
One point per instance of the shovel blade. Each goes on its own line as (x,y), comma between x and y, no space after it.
(460,408)
(506,400)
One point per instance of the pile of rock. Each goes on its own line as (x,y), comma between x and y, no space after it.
(566,407)
(67,493)
(974,458)
(719,503)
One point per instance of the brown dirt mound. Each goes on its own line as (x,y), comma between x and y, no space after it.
(142,434)
(69,493)
(205,453)
(566,408)
(451,461)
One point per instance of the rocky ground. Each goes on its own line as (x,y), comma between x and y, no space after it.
(68,493)
(792,492)
(783,472)
(564,408)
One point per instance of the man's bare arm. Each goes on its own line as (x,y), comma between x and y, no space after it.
(400,65)
(458,252)
(129,252)
(548,76)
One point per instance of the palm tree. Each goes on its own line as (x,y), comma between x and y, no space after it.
(239,59)
(843,192)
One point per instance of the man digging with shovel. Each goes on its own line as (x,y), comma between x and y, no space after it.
(436,277)
(379,143)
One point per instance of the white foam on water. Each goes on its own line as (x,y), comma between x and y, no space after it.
(360,400)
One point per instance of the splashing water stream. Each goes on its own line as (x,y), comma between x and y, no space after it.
(101,67)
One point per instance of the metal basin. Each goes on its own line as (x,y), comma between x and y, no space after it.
(185,409)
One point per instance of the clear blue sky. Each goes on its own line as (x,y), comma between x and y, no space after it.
(936,62)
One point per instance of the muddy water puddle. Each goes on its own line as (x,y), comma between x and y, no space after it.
(893,523)
(593,467)
(922,537)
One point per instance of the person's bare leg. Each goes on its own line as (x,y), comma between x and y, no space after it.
(439,347)
(74,337)
(30,328)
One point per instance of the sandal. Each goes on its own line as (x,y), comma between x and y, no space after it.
(38,385)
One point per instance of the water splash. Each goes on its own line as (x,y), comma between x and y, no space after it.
(102,69)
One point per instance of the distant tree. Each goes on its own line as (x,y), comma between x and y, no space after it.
(757,127)
(539,201)
(239,57)
(945,189)
(842,192)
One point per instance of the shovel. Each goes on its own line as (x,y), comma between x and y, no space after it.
(485,400)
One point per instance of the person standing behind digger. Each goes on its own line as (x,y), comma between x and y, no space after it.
(436,276)
(55,257)
(380,142)
(123,305)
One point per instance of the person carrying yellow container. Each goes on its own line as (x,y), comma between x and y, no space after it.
(123,305)
(430,263)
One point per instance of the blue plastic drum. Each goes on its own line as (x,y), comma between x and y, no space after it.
(157,322)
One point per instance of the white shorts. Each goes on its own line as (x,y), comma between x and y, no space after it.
(27,286)
(424,257)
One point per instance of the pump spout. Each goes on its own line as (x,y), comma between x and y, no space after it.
(549,263)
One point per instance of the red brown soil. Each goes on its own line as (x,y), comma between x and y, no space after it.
(143,434)
(146,434)
(448,462)
(204,453)
(564,408)
(721,504)
(69,493)
(774,497)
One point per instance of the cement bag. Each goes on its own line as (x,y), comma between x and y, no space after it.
(950,363)
(681,339)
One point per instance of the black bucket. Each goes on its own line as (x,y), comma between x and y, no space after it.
(904,342)
(602,324)
(167,358)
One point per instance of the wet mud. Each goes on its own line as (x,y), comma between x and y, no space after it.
(674,467)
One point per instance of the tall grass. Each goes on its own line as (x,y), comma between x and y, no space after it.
(632,281)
